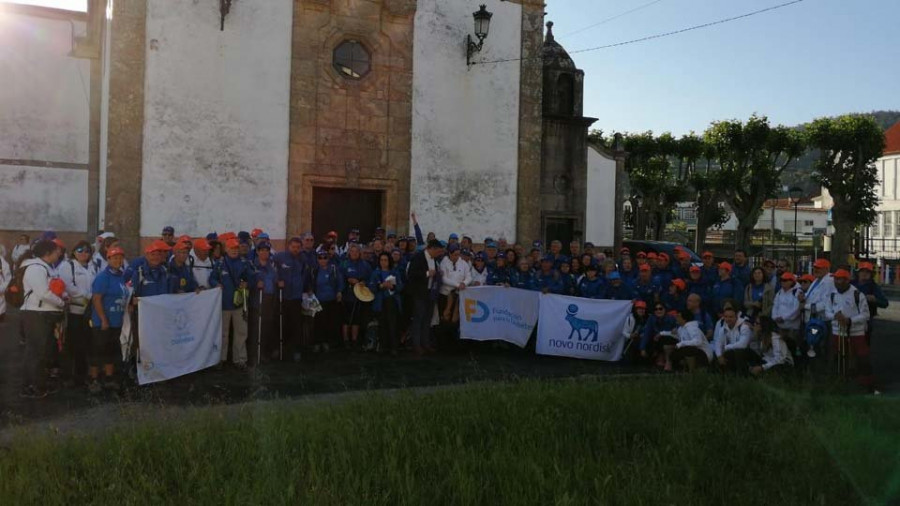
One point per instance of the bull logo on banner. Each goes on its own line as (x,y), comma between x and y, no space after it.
(578,325)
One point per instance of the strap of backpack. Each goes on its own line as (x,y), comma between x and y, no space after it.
(72,265)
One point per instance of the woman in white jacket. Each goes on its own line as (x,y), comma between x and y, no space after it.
(41,311)
(6,276)
(78,274)
(692,348)
(775,353)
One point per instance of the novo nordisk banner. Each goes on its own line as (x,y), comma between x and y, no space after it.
(179,334)
(581,328)
(488,313)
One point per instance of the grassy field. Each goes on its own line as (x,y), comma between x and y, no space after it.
(657,440)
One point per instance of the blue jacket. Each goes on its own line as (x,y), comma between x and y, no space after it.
(628,276)
(704,321)
(728,289)
(871,288)
(673,303)
(655,326)
(524,280)
(181,279)
(647,292)
(591,289)
(381,294)
(700,288)
(552,282)
(662,278)
(621,292)
(359,269)
(295,272)
(498,276)
(149,281)
(329,283)
(568,281)
(710,275)
(268,274)
(741,274)
(229,273)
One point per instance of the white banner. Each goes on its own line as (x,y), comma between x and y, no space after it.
(581,328)
(178,334)
(488,313)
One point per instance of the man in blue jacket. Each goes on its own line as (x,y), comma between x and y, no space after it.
(294,272)
(234,275)
(874,296)
(726,287)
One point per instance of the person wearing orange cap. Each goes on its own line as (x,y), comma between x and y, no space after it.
(697,285)
(233,274)
(674,297)
(758,295)
(709,268)
(819,290)
(786,310)
(150,276)
(848,311)
(874,296)
(662,274)
(181,275)
(634,328)
(645,288)
(108,300)
(40,313)
(201,263)
(725,288)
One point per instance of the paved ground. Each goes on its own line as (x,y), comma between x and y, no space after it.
(343,371)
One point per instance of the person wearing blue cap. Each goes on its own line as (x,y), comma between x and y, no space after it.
(294,278)
(479,270)
(616,288)
(354,270)
(535,259)
(491,251)
(453,239)
(498,274)
(329,287)
(548,278)
(523,277)
(591,286)
(565,272)
(263,318)
(233,274)
(168,235)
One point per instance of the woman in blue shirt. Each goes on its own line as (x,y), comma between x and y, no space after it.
(109,300)
(386,283)
(329,285)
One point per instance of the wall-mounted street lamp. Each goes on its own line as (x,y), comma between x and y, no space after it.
(795,193)
(482,27)
(224,9)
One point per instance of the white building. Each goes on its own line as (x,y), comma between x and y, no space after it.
(884,235)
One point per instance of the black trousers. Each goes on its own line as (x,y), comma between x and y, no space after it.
(389,324)
(269,325)
(105,347)
(77,347)
(38,327)
(293,326)
(328,323)
(420,328)
(740,361)
(689,351)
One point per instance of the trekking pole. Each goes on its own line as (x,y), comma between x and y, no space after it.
(259,329)
(841,360)
(280,324)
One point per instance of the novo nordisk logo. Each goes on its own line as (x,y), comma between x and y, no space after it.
(578,325)
(472,307)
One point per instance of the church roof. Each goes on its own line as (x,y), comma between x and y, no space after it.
(891,138)
(555,56)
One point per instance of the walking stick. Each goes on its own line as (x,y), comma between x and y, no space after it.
(280,325)
(259,329)
(841,351)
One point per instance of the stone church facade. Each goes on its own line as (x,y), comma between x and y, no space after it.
(294,115)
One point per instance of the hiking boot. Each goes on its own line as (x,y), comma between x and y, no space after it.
(32,392)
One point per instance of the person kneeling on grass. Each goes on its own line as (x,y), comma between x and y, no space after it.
(692,347)
(775,353)
(658,333)
(732,342)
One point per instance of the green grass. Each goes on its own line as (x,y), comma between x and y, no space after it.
(660,440)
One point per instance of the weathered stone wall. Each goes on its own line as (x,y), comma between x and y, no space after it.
(216,117)
(44,121)
(465,125)
(348,133)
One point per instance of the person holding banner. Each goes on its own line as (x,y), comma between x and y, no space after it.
(234,275)
(658,332)
(591,286)
(548,278)
(692,347)
(498,274)
(387,285)
(523,277)
(633,330)
(181,275)
(108,300)
(201,263)
(616,289)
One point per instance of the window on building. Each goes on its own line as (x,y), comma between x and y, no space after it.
(897,224)
(876,226)
(808,223)
(352,60)
(888,221)
(565,87)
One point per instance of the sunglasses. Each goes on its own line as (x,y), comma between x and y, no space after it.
(82,249)
(660,309)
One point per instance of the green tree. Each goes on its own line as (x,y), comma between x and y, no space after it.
(650,172)
(751,157)
(849,146)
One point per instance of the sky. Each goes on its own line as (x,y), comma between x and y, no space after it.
(807,60)
(811,59)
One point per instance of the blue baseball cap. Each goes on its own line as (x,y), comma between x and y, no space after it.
(391,234)
(263,235)
(452,248)
(537,244)
(593,266)
(454,236)
(466,253)
(244,235)
(565,260)
(212,236)
(488,239)
(502,255)
(491,244)
(264,245)
(169,230)
(614,275)
(481,256)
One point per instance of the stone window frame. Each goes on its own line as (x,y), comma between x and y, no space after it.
(351,39)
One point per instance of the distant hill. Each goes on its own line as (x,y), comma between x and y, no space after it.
(799,173)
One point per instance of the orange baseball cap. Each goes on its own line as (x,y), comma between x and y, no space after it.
(157,245)
(226,236)
(726,266)
(695,268)
(640,304)
(651,255)
(866,266)
(202,244)
(115,250)
(787,276)
(822,264)
(232,243)
(57,241)
(842,273)
(255,232)
(646,267)
(663,256)
(679,283)
(809,278)
(641,254)
(708,254)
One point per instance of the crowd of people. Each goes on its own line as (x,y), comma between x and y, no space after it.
(396,292)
